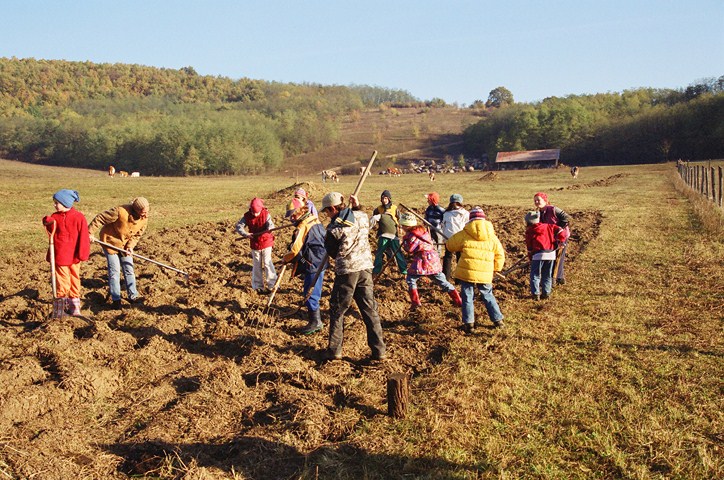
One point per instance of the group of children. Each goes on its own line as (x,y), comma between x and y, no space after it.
(467,235)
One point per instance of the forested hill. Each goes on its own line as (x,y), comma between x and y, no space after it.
(642,125)
(165,121)
(175,122)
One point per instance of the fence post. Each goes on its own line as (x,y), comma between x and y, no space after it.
(705,187)
(721,186)
(712,183)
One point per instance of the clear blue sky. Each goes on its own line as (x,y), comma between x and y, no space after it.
(454,50)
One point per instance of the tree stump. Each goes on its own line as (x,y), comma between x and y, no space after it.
(398,395)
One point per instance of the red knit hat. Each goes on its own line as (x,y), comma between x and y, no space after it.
(256,205)
(476,213)
(541,195)
(434,197)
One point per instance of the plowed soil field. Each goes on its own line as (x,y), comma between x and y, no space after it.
(196,379)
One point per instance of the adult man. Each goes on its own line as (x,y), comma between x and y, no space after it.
(347,243)
(121,227)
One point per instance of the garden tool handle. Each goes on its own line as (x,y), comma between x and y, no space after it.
(51,251)
(276,285)
(425,221)
(361,181)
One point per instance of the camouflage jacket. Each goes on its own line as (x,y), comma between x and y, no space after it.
(348,243)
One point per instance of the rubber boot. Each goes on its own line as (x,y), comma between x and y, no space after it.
(414,299)
(58,307)
(68,306)
(314,322)
(455,296)
(75,311)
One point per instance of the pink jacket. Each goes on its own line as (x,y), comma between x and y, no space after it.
(425,259)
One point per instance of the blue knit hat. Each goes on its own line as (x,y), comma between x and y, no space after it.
(66,197)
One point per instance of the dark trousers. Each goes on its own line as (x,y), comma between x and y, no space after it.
(357,286)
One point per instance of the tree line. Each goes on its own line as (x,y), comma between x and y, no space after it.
(165,121)
(635,126)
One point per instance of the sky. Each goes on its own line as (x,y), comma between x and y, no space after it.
(454,50)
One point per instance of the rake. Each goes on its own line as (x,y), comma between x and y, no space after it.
(265,314)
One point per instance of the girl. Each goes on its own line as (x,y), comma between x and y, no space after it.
(425,260)
(71,246)
(254,225)
(555,216)
(453,221)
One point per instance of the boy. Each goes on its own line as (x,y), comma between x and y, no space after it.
(122,227)
(434,214)
(386,218)
(554,216)
(347,242)
(307,252)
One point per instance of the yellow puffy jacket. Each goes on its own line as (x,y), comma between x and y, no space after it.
(482,252)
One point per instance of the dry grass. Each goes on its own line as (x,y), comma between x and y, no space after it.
(617,376)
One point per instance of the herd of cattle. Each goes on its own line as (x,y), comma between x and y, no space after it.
(121,173)
(333,176)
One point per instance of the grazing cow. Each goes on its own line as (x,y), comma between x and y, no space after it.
(135,174)
(123,173)
(574,172)
(111,171)
(395,172)
(431,174)
(329,175)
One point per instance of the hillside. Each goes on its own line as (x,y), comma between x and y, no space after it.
(427,133)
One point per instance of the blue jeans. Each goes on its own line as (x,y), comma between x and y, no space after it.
(115,263)
(312,302)
(438,279)
(467,292)
(541,275)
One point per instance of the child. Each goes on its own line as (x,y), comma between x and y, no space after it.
(301,195)
(453,221)
(554,216)
(121,226)
(347,242)
(254,225)
(482,255)
(434,214)
(71,246)
(308,253)
(386,218)
(541,239)
(425,260)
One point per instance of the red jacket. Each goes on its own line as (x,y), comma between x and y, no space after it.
(72,243)
(256,225)
(543,237)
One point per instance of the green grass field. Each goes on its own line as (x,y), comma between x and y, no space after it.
(618,376)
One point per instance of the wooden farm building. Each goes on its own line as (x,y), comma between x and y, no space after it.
(528,159)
